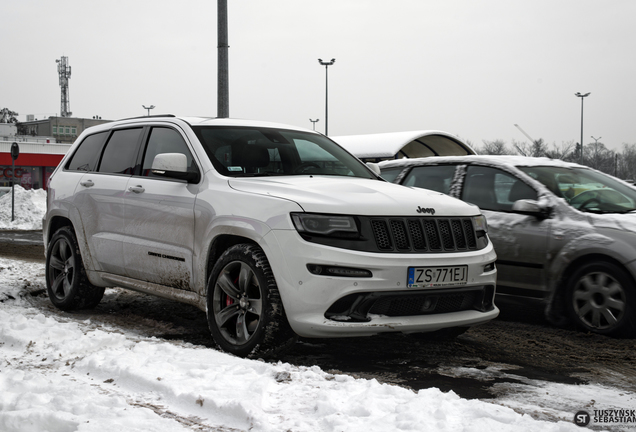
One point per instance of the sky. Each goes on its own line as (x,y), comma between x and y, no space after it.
(473,69)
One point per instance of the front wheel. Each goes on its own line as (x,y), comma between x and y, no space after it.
(600,299)
(245,312)
(66,281)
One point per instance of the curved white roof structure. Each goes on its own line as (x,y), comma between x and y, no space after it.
(396,145)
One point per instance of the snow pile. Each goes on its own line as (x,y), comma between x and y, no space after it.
(60,373)
(29,208)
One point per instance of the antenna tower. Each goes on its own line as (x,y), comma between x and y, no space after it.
(64,71)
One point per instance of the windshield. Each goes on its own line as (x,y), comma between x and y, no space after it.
(251,151)
(585,189)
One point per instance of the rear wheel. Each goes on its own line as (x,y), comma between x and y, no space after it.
(245,312)
(600,299)
(66,281)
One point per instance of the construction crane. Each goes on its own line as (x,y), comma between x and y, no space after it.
(64,70)
(529,137)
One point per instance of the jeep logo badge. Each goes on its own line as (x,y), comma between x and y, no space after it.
(425,210)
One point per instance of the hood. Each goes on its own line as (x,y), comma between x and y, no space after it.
(622,222)
(356,196)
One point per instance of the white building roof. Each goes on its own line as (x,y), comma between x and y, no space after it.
(410,144)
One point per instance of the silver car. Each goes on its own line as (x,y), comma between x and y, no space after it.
(563,233)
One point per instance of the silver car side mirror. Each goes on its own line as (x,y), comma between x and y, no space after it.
(531,208)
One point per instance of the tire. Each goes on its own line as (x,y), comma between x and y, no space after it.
(66,281)
(600,299)
(245,313)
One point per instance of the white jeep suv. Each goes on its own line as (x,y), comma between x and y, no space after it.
(275,231)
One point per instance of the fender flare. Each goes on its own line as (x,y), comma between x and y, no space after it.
(592,246)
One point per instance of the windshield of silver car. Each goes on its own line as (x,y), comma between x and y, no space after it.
(585,189)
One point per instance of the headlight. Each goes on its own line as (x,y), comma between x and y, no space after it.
(480,224)
(319,224)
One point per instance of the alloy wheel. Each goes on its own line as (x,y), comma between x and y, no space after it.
(62,268)
(237,302)
(599,300)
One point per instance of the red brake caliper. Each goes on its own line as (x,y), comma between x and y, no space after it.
(228,299)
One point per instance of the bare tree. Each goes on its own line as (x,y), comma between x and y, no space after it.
(628,162)
(599,157)
(8,116)
(496,147)
(565,151)
(537,148)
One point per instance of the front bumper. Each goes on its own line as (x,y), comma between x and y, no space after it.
(309,299)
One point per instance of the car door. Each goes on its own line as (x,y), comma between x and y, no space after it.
(521,241)
(99,199)
(159,232)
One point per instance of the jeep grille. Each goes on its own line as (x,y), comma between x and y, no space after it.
(424,234)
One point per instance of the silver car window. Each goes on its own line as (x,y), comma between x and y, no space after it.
(434,177)
(494,189)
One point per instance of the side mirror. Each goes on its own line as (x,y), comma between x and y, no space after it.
(374,167)
(531,208)
(174,165)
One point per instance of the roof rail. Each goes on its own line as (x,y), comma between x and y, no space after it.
(148,116)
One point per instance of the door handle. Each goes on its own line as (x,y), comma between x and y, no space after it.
(87,183)
(136,189)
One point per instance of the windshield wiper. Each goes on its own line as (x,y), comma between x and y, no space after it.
(262,174)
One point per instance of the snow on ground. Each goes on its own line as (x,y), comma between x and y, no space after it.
(58,373)
(29,207)
(61,374)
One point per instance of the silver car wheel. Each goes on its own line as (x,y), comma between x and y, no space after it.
(599,300)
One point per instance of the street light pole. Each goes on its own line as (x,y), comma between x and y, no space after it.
(148,108)
(326,64)
(223,80)
(578,94)
(314,122)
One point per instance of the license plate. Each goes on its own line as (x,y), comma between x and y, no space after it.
(425,277)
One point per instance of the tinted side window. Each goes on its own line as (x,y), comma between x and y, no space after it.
(121,152)
(165,140)
(87,154)
(390,174)
(493,189)
(434,177)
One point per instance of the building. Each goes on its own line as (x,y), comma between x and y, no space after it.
(63,129)
(34,165)
(43,144)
